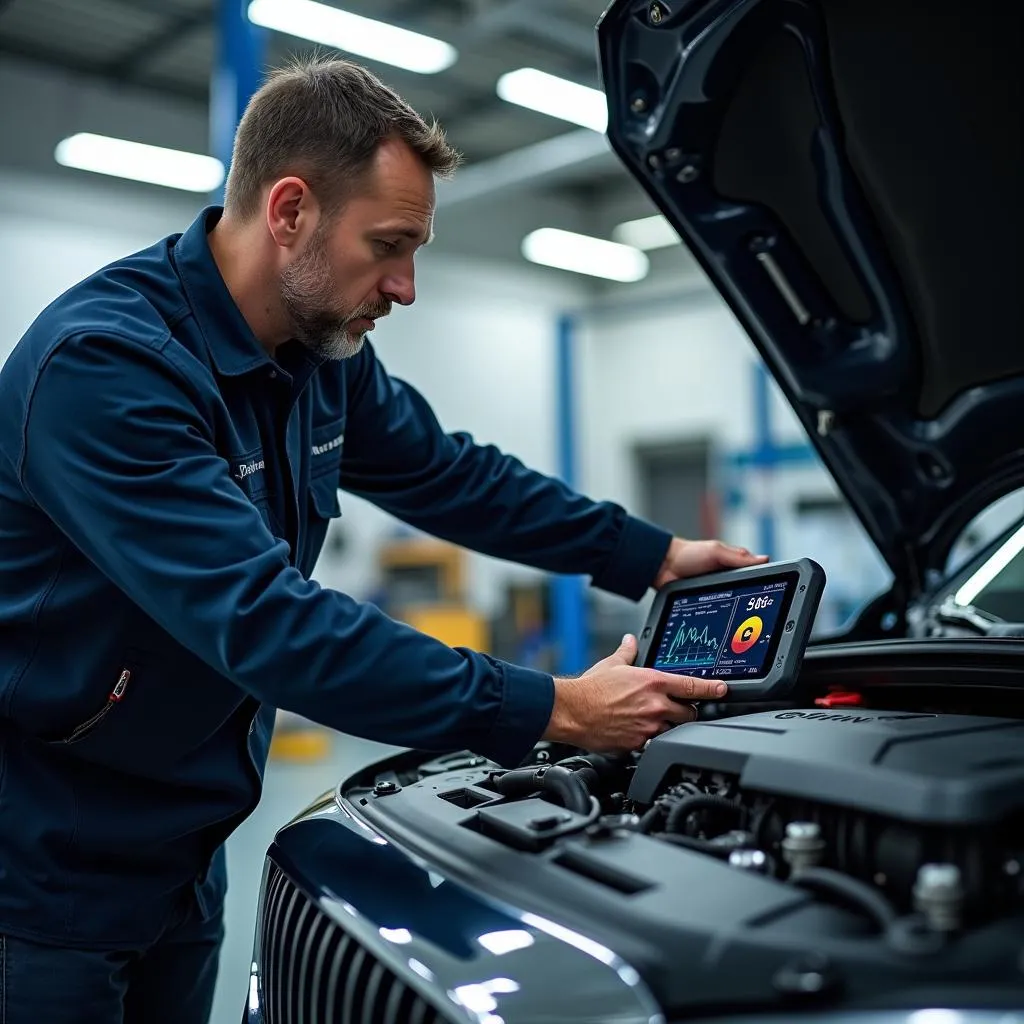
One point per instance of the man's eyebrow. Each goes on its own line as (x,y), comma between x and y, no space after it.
(416,234)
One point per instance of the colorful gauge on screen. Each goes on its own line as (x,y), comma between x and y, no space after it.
(747,634)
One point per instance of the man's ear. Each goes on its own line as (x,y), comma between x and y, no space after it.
(292,212)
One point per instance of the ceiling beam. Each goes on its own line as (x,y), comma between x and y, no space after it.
(533,18)
(69,62)
(550,161)
(161,7)
(129,66)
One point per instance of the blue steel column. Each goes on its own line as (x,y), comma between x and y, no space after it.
(764,457)
(567,592)
(241,48)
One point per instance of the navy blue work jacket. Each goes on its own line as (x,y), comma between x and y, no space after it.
(165,489)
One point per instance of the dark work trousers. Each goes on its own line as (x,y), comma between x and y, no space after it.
(169,982)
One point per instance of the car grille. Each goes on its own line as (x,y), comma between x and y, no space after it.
(315,972)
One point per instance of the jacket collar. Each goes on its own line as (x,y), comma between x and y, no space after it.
(233,346)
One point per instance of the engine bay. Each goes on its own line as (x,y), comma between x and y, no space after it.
(888,811)
(837,854)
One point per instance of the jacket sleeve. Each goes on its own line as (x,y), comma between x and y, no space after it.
(398,457)
(118,452)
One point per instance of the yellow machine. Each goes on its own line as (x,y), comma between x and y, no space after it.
(424,583)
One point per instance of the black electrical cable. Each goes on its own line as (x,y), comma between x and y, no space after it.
(850,890)
(704,801)
(575,826)
(908,935)
(693,843)
(761,823)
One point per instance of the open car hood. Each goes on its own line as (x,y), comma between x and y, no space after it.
(848,175)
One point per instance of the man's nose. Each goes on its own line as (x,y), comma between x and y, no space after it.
(400,286)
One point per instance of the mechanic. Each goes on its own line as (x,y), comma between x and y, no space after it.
(174,431)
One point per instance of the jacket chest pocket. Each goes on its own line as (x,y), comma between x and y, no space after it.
(326,443)
(323,497)
(322,504)
(249,471)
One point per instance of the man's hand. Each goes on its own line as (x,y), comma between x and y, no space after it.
(687,558)
(614,707)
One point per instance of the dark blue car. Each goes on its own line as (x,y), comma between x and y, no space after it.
(848,175)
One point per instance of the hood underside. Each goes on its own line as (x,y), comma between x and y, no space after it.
(848,175)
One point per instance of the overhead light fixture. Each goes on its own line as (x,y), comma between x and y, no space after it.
(646,233)
(582,254)
(556,97)
(155,165)
(353,33)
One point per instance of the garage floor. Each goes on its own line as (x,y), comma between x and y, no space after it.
(288,788)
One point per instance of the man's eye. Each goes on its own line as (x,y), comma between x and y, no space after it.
(385,246)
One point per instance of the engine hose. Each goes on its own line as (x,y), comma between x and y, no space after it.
(850,890)
(593,815)
(704,801)
(583,769)
(761,823)
(651,817)
(560,782)
(693,843)
(601,763)
(590,779)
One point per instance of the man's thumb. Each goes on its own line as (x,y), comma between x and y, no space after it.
(623,655)
(626,652)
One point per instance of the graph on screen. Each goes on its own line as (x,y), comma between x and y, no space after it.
(692,646)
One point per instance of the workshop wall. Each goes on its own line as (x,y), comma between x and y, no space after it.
(53,236)
(673,369)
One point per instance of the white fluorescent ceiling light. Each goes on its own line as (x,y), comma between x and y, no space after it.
(355,34)
(566,250)
(556,97)
(646,233)
(172,168)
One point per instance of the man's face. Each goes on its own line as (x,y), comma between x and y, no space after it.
(359,262)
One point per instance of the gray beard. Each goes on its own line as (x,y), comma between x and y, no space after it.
(304,286)
(333,342)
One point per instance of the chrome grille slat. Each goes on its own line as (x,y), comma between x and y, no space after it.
(294,1003)
(321,955)
(280,1003)
(370,998)
(394,1003)
(352,986)
(313,971)
(418,1013)
(334,976)
(272,937)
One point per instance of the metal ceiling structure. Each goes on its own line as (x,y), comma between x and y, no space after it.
(522,167)
(167,46)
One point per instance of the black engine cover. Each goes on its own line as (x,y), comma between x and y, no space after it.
(930,769)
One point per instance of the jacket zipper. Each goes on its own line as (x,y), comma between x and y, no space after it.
(114,697)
